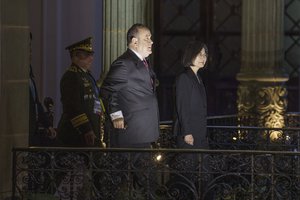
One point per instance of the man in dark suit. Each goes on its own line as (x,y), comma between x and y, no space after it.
(80,122)
(129,93)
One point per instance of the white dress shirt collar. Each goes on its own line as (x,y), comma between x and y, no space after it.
(138,55)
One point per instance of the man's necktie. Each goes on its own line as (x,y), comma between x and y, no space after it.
(146,64)
(147,67)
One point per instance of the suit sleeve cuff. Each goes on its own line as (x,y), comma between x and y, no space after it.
(116,115)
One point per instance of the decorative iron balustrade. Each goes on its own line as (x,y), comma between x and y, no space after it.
(160,174)
(222,120)
(225,132)
(254,138)
(232,132)
(234,137)
(167,173)
(291,120)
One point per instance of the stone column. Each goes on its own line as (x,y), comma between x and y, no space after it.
(14,89)
(119,16)
(262,95)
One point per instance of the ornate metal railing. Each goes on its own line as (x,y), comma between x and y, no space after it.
(160,174)
(227,132)
(222,120)
(254,138)
(291,120)
(235,169)
(233,136)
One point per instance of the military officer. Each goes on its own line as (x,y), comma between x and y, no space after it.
(80,122)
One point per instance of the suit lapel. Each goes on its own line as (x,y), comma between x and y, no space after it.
(198,84)
(141,68)
(192,76)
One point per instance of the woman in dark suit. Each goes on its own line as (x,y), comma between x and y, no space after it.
(190,121)
(191,109)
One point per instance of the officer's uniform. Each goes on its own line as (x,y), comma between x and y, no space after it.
(81,103)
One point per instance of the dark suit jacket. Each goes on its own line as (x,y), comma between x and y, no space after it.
(191,109)
(129,87)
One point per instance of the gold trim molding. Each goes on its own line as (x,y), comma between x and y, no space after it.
(262,105)
(273,79)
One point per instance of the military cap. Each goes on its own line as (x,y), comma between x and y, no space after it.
(83,45)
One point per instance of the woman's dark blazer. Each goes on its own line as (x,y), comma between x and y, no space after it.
(191,110)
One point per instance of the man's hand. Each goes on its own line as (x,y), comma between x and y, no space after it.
(89,138)
(119,123)
(51,133)
(189,139)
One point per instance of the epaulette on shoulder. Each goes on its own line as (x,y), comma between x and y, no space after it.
(73,68)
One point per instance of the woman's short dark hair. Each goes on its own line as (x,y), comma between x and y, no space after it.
(133,31)
(191,51)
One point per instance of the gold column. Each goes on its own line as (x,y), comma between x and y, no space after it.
(262,95)
(14,88)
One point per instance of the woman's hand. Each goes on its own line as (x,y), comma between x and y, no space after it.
(189,139)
